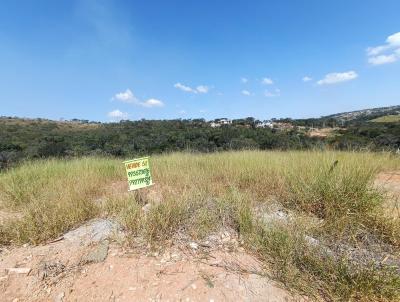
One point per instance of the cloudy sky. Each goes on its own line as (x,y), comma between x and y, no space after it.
(111,60)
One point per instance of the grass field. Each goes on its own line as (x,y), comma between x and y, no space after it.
(329,196)
(387,119)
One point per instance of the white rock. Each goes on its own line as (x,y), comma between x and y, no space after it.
(59,297)
(194,245)
(19,270)
(95,230)
(175,256)
(146,208)
(311,241)
(225,239)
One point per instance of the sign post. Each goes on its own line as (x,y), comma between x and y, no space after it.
(138,172)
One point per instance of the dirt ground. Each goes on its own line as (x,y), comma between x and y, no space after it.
(321,132)
(91,263)
(84,265)
(390,183)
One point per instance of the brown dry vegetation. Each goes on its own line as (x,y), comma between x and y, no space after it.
(66,125)
(322,132)
(327,196)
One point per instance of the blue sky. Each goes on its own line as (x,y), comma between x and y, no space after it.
(107,60)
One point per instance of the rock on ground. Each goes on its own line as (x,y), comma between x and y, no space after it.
(98,253)
(88,266)
(93,231)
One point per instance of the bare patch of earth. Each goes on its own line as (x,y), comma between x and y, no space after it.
(390,182)
(322,132)
(89,264)
(5,216)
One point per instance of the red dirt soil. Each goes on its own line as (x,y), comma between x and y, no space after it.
(184,273)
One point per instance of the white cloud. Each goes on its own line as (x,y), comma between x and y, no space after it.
(244,80)
(117,115)
(202,111)
(394,39)
(198,89)
(373,51)
(246,92)
(184,88)
(272,94)
(337,77)
(383,59)
(307,79)
(202,89)
(183,112)
(152,103)
(126,97)
(386,53)
(267,81)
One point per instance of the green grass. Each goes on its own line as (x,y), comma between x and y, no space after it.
(387,119)
(197,194)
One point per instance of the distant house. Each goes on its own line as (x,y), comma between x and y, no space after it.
(266,124)
(224,121)
(220,122)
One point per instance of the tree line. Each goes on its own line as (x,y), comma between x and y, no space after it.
(29,139)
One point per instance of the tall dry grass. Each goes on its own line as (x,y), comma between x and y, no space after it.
(197,194)
(53,196)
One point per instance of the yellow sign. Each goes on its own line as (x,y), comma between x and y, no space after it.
(138,172)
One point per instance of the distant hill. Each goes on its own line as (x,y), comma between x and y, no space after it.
(387,119)
(357,115)
(365,114)
(346,119)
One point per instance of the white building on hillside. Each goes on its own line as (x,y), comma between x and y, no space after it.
(220,122)
(265,125)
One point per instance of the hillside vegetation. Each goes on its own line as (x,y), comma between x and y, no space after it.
(31,139)
(387,119)
(328,210)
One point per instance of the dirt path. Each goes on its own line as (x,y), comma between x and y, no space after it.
(84,266)
(390,182)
